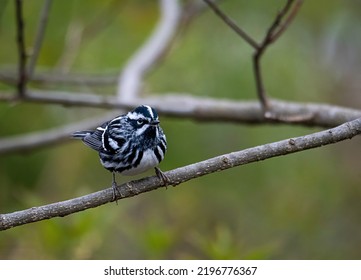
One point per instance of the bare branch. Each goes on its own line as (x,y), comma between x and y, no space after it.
(31,141)
(273,33)
(277,22)
(275,30)
(39,37)
(183,174)
(198,109)
(55,78)
(22,79)
(283,26)
(232,24)
(204,109)
(130,79)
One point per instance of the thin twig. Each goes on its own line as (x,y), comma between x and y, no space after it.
(277,22)
(275,30)
(282,27)
(191,10)
(39,37)
(130,79)
(232,24)
(22,78)
(183,174)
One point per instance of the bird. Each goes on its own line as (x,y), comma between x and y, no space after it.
(129,144)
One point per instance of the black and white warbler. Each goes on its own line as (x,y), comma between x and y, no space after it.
(129,144)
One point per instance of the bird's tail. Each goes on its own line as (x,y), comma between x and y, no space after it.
(81,134)
(91,138)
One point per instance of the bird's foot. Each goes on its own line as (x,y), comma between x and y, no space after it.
(164,178)
(116,192)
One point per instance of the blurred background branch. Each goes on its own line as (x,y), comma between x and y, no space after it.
(39,37)
(173,105)
(29,142)
(22,77)
(277,27)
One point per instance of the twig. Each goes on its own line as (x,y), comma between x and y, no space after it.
(131,77)
(275,30)
(232,24)
(282,27)
(190,11)
(273,33)
(276,24)
(22,79)
(183,174)
(39,37)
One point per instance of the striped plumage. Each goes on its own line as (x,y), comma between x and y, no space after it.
(129,144)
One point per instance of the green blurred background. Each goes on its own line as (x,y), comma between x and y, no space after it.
(302,206)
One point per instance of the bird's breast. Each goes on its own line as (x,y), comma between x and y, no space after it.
(148,161)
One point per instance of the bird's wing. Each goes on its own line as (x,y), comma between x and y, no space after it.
(114,137)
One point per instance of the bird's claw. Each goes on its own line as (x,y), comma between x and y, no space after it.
(115,190)
(164,178)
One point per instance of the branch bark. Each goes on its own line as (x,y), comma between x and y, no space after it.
(183,174)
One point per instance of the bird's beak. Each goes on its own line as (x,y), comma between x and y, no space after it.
(155,122)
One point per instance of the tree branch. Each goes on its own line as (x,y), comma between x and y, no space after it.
(276,33)
(183,174)
(54,78)
(21,83)
(200,108)
(39,37)
(273,33)
(275,30)
(31,141)
(232,24)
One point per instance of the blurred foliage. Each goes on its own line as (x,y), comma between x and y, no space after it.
(302,206)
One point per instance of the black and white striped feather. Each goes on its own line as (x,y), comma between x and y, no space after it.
(129,144)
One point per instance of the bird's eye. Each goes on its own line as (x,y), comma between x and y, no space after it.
(140,121)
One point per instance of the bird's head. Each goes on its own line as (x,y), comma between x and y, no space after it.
(144,119)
